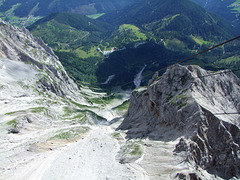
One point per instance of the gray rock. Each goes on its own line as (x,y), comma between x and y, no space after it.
(29,120)
(17,44)
(185,103)
(181,146)
(14,131)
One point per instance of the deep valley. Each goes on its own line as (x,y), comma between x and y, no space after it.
(97,90)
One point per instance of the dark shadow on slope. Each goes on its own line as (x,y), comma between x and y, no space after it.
(127,63)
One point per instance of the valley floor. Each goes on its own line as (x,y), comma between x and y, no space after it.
(92,156)
(98,152)
(95,152)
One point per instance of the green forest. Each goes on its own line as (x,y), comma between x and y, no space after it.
(92,49)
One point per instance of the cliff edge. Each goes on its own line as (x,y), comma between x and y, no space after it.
(197,107)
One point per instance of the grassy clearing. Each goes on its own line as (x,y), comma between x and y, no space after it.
(141,89)
(95,16)
(116,135)
(74,114)
(38,109)
(133,148)
(136,32)
(94,115)
(182,105)
(179,100)
(80,115)
(70,133)
(82,106)
(235,6)
(44,101)
(13,123)
(106,99)
(170,18)
(177,97)
(9,16)
(68,111)
(32,110)
(175,44)
(165,21)
(136,150)
(123,107)
(199,40)
(236,9)
(92,52)
(14,112)
(11,11)
(229,61)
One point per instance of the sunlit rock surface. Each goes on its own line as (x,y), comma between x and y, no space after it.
(197,108)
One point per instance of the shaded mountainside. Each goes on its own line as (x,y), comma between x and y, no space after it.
(189,104)
(46,7)
(177,27)
(24,13)
(228,9)
(74,38)
(151,33)
(182,16)
(68,29)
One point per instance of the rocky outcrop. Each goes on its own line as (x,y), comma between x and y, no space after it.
(198,107)
(43,110)
(18,44)
(34,87)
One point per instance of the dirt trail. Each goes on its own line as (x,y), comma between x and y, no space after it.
(90,158)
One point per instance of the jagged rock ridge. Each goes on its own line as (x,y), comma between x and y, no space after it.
(189,103)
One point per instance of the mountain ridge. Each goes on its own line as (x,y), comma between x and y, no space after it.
(43,8)
(171,130)
(226,9)
(146,12)
(185,104)
(73,19)
(166,27)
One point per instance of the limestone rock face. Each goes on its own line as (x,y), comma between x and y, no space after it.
(35,90)
(199,108)
(18,44)
(44,115)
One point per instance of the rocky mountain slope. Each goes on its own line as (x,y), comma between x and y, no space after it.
(46,119)
(35,90)
(19,45)
(196,110)
(183,125)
